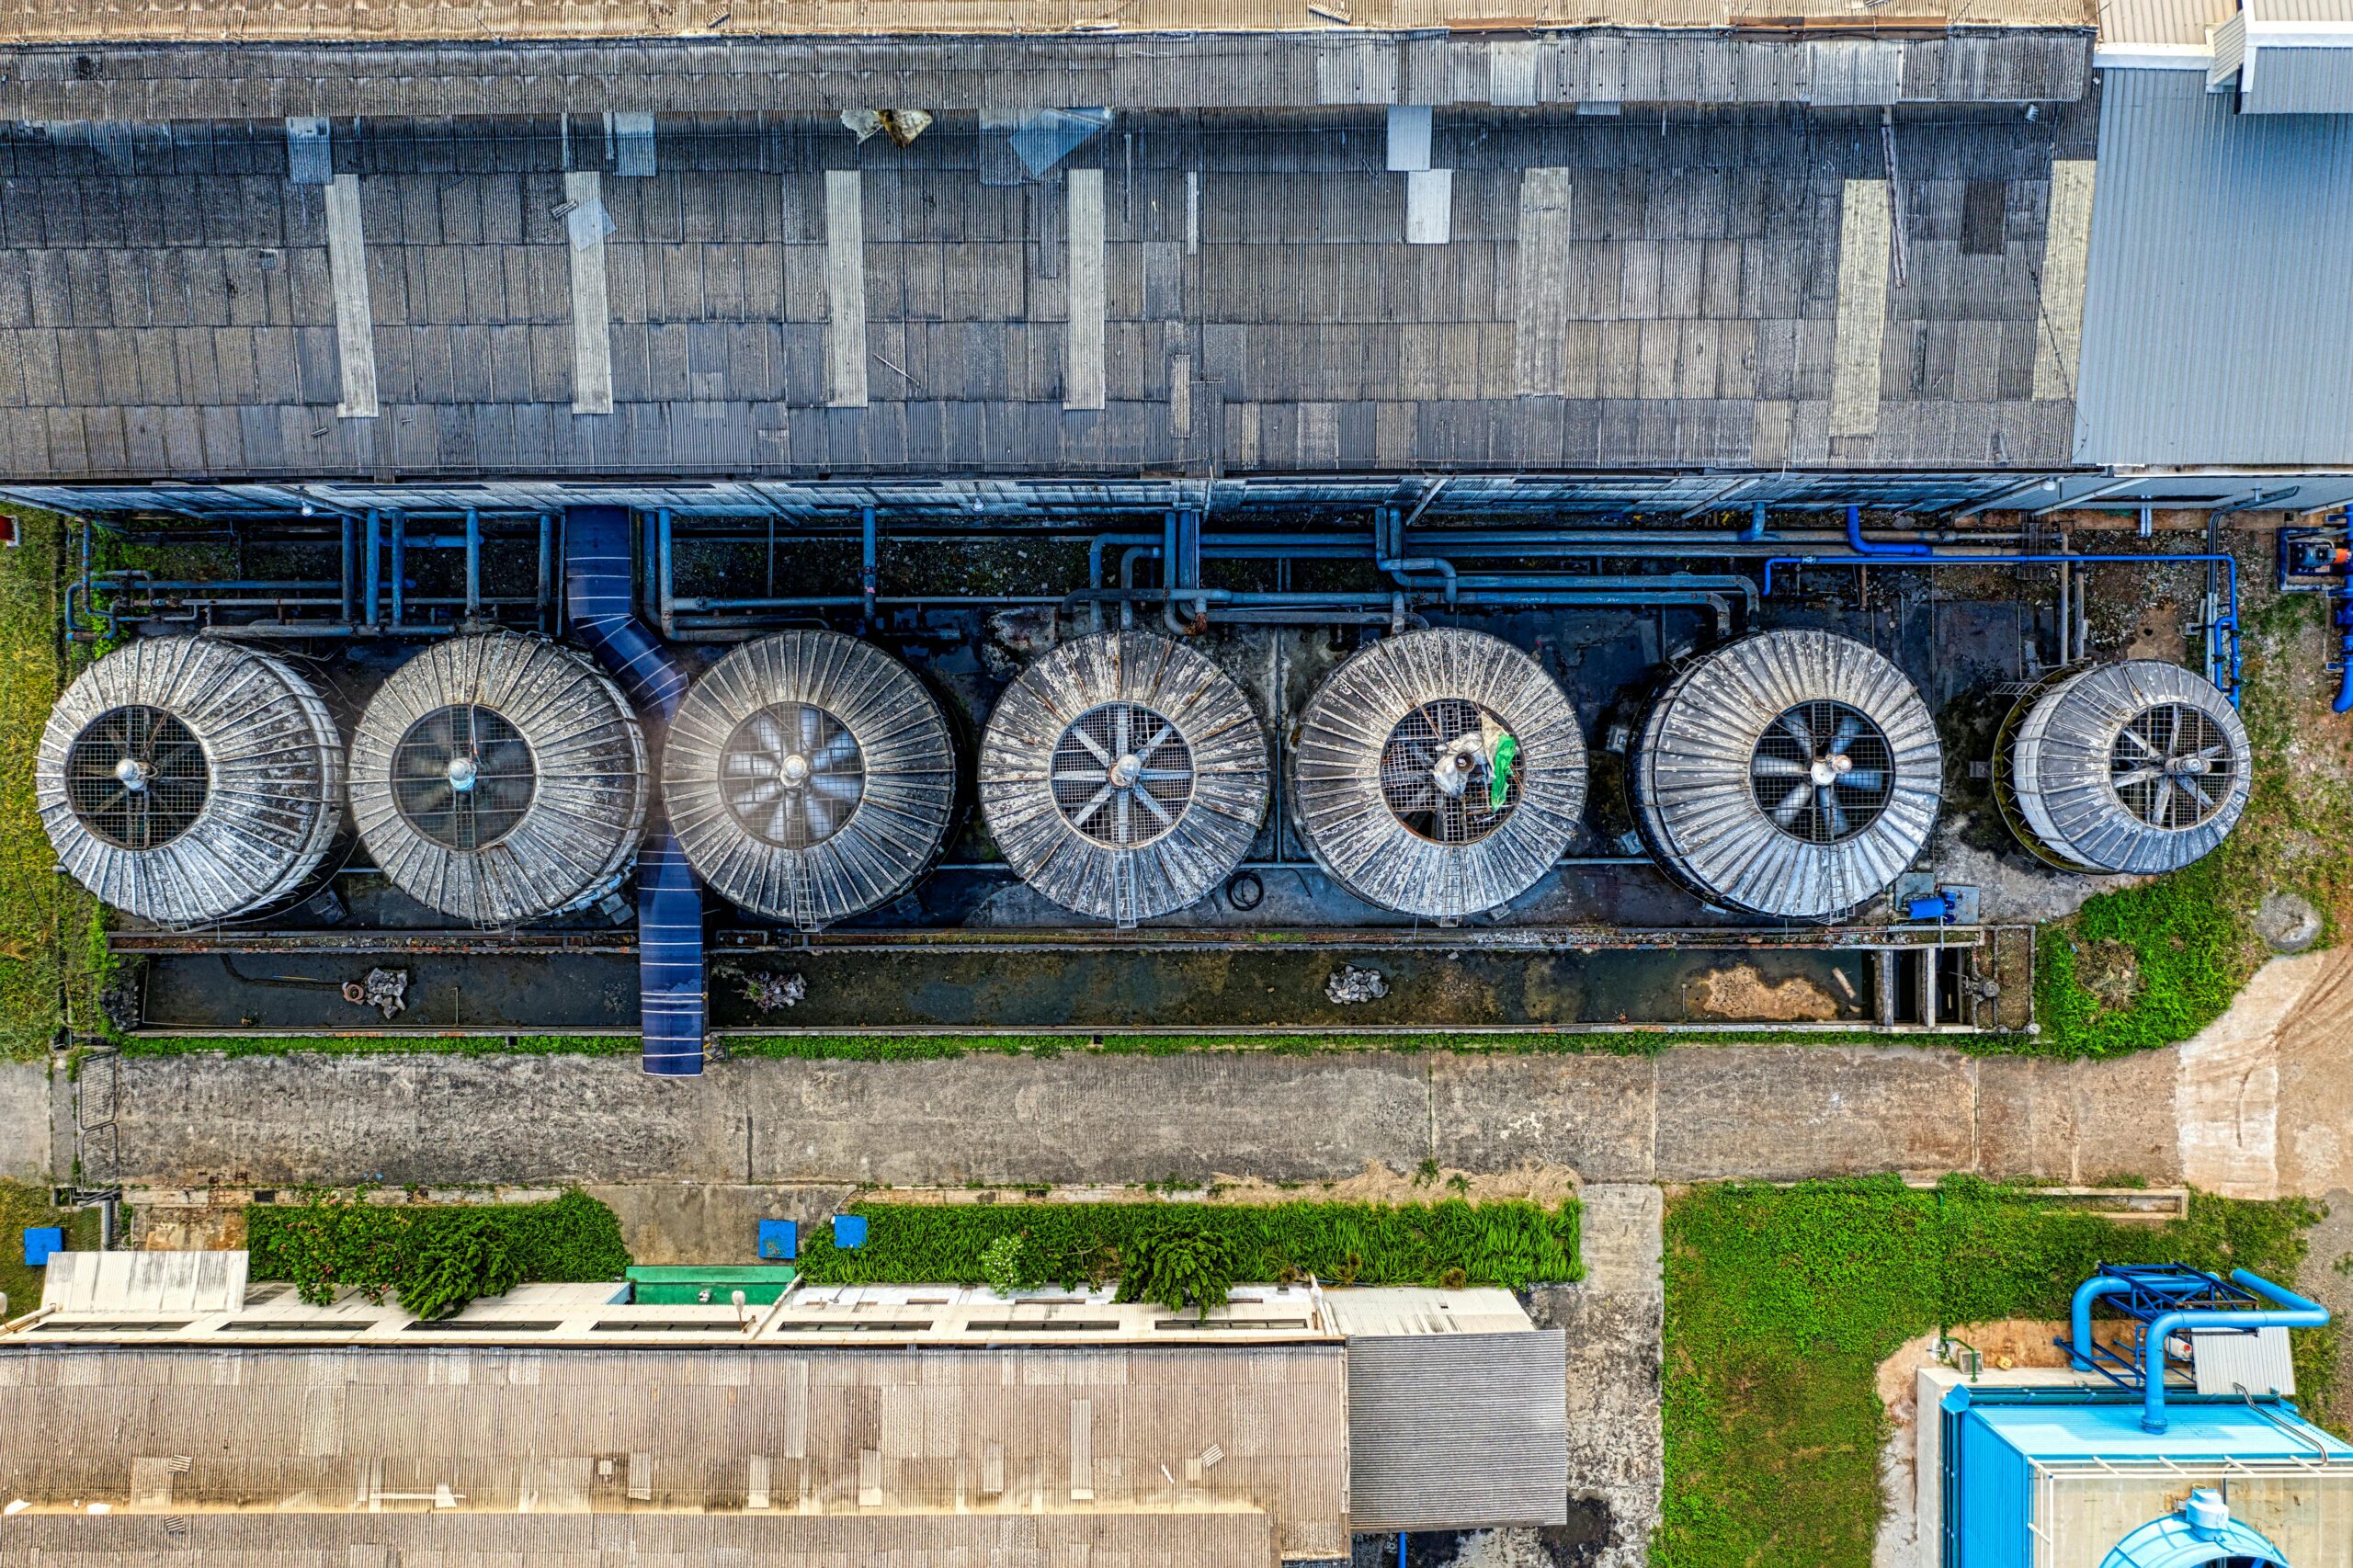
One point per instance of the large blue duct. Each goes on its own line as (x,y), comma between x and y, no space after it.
(671,994)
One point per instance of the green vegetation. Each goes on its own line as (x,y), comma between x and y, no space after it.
(1179,1266)
(1782,1301)
(22,1206)
(53,941)
(1513,1241)
(2153,965)
(437,1258)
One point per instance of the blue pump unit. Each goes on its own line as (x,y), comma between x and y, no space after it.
(672,998)
(2320,561)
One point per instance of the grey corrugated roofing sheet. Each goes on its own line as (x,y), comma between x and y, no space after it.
(2302,80)
(2218,316)
(1456,1431)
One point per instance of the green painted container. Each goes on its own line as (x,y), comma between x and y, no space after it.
(707,1284)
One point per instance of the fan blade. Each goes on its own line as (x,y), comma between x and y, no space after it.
(2136,776)
(1162,773)
(2138,739)
(755,793)
(1121,815)
(2161,804)
(829,757)
(1791,803)
(2210,753)
(1094,804)
(1799,731)
(1079,733)
(2172,729)
(1863,778)
(2192,785)
(834,787)
(1120,717)
(1154,807)
(1844,736)
(1776,767)
(1083,776)
(809,727)
(1836,813)
(1157,742)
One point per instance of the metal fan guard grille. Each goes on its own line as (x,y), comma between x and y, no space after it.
(505,776)
(1091,782)
(793,807)
(2171,766)
(166,801)
(1803,745)
(1413,750)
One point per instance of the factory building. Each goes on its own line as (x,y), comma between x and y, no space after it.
(180,1408)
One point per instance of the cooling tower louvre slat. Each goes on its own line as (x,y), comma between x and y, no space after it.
(2137,767)
(1792,773)
(1190,759)
(226,829)
(808,777)
(499,779)
(1411,706)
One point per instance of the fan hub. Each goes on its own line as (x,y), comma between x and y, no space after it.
(462,773)
(1122,773)
(1438,775)
(794,770)
(1125,771)
(1822,771)
(792,774)
(463,776)
(136,777)
(133,773)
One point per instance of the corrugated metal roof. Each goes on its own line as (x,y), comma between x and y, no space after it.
(2217,320)
(1457,1431)
(2302,79)
(2181,23)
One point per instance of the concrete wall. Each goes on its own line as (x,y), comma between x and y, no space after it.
(24,1121)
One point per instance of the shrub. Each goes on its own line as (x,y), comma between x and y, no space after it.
(1177,1265)
(1001,1264)
(1513,1243)
(437,1258)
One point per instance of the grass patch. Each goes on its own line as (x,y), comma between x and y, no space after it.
(22,1206)
(1511,1241)
(2190,936)
(381,1045)
(1782,1301)
(53,941)
(332,1244)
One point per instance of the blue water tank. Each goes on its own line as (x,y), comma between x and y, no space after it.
(2074,1470)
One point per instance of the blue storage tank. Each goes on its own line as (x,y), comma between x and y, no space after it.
(2067,1477)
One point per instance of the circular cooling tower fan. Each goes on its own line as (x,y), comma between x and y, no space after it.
(499,779)
(188,780)
(808,777)
(1792,773)
(1123,776)
(1440,773)
(2138,766)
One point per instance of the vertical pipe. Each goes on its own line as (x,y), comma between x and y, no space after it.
(373,568)
(547,572)
(664,615)
(869,574)
(473,564)
(400,563)
(345,575)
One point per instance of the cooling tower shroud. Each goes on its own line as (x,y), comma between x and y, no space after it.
(1792,773)
(188,779)
(1406,792)
(2136,767)
(499,779)
(1124,775)
(808,777)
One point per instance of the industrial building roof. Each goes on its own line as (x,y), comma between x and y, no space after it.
(2218,315)
(1704,288)
(2056,1433)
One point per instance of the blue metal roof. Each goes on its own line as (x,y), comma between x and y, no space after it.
(2218,311)
(2112,1431)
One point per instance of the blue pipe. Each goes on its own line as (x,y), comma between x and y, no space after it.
(1861,546)
(2080,1315)
(869,576)
(374,566)
(672,993)
(400,564)
(473,564)
(2226,679)
(1398,563)
(2294,1311)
